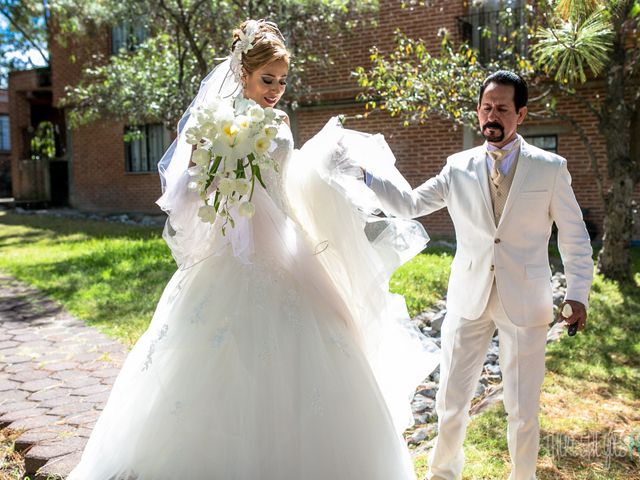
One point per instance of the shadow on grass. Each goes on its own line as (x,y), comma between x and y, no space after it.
(609,350)
(72,226)
(109,275)
(600,454)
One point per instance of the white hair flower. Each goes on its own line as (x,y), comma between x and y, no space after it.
(243,45)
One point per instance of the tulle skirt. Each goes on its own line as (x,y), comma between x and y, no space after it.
(296,365)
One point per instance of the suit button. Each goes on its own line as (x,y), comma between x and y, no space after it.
(493,267)
(497,240)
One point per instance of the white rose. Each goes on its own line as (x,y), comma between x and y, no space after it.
(269,114)
(208,130)
(271,132)
(207,213)
(256,113)
(201,157)
(262,144)
(226,186)
(224,114)
(243,104)
(246,209)
(192,135)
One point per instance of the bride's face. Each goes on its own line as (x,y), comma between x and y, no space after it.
(266,85)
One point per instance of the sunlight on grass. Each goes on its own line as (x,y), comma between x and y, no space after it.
(110,275)
(590,402)
(423,280)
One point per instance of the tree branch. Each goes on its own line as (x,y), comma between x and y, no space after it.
(184,26)
(28,37)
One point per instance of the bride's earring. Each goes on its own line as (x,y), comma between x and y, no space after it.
(243,79)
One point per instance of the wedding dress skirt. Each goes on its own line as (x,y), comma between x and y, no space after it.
(295,365)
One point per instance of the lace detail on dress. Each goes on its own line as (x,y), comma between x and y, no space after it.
(273,180)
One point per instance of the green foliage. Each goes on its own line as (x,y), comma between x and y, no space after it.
(413,84)
(158,79)
(423,280)
(26,32)
(139,87)
(571,46)
(609,351)
(552,50)
(43,143)
(110,275)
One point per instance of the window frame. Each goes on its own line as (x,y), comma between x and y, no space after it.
(2,132)
(146,161)
(529,138)
(132,33)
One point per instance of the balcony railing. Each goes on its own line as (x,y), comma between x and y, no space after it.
(490,32)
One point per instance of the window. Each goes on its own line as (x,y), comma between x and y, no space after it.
(490,23)
(5,136)
(128,36)
(144,153)
(546,142)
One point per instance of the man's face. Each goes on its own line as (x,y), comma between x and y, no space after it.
(497,114)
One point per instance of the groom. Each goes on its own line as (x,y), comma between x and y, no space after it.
(503,197)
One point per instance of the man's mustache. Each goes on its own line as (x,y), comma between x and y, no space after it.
(493,125)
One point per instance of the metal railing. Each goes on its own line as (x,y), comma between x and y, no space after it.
(490,32)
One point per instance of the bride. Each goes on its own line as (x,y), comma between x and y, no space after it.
(276,351)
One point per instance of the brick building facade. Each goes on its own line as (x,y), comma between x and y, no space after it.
(103,176)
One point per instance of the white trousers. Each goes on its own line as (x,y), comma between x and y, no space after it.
(464,348)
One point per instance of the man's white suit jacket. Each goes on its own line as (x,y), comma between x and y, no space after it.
(515,252)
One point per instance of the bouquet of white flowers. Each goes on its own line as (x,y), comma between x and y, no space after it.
(234,137)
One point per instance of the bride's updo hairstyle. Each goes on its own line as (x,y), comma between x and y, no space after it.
(268,45)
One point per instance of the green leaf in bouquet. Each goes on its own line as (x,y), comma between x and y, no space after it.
(255,170)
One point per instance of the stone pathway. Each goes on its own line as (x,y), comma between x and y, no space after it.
(55,376)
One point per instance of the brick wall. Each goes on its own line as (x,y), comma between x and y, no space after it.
(99,181)
(422,150)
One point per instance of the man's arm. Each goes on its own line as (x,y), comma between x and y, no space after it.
(398,199)
(573,241)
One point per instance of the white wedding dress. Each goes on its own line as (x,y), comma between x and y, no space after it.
(290,362)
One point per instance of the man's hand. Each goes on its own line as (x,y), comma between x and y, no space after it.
(578,320)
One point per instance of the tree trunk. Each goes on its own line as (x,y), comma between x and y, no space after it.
(614,261)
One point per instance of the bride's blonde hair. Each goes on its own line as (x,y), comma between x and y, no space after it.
(268,46)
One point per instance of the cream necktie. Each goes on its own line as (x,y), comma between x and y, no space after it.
(497,156)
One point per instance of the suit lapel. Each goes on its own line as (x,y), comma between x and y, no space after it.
(522,168)
(480,166)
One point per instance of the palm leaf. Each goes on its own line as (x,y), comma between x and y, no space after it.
(569,48)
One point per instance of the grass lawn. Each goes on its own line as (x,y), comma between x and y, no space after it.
(109,274)
(590,404)
(112,275)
